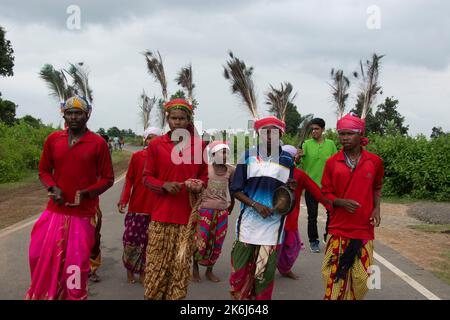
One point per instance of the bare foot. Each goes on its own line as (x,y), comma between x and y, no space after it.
(291,275)
(94,277)
(196,277)
(130,277)
(211,276)
(195,273)
(142,278)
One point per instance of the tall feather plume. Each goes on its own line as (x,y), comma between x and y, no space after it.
(145,108)
(239,76)
(69,89)
(304,129)
(55,81)
(80,77)
(184,79)
(339,90)
(369,87)
(278,99)
(156,69)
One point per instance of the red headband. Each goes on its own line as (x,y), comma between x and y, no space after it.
(270,121)
(353,123)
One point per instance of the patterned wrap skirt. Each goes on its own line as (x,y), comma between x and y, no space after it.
(211,230)
(166,278)
(135,239)
(353,286)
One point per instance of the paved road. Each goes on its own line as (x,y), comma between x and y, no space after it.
(14,271)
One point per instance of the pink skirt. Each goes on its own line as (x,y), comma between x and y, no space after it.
(59,253)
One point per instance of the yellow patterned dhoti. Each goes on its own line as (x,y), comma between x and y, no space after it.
(354,285)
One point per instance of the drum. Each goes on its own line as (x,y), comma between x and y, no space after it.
(283,200)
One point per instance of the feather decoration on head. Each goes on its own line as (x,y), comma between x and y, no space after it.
(278,99)
(369,86)
(80,76)
(339,90)
(184,79)
(304,129)
(156,69)
(55,81)
(241,82)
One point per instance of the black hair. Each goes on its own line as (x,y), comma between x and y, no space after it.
(319,121)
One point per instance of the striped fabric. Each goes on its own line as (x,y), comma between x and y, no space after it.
(354,286)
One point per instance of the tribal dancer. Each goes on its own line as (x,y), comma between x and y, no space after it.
(259,230)
(75,168)
(139,200)
(174,168)
(352,179)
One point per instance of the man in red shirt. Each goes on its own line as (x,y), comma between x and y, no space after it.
(352,179)
(138,217)
(75,168)
(175,168)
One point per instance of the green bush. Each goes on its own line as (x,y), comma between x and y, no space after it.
(414,167)
(20,149)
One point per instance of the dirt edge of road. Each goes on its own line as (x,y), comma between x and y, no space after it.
(425,244)
(19,201)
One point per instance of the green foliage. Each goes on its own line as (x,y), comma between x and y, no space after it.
(7,112)
(32,121)
(20,149)
(113,132)
(181,95)
(293,119)
(6,55)
(291,139)
(437,132)
(386,120)
(101,131)
(332,135)
(414,167)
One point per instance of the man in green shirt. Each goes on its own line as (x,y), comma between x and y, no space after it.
(315,152)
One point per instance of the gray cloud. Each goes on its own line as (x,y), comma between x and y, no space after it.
(298,41)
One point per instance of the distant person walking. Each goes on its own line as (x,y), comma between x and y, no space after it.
(314,153)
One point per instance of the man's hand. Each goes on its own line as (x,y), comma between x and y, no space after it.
(172,187)
(292,184)
(375,219)
(194,185)
(263,210)
(56,194)
(121,207)
(348,204)
(79,195)
(300,153)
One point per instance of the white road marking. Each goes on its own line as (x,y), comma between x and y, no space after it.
(23,224)
(413,283)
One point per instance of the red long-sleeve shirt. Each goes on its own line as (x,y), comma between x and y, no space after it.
(84,166)
(134,192)
(160,168)
(339,181)
(304,182)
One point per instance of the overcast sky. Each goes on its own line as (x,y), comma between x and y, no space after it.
(296,41)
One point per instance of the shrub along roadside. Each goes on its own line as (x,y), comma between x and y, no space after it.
(415,167)
(20,149)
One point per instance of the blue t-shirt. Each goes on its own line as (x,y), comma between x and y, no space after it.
(257,176)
